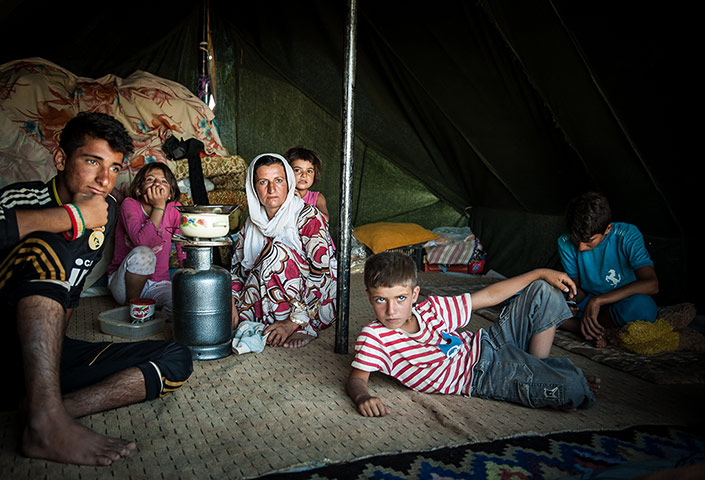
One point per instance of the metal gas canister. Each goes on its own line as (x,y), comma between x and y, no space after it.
(202,305)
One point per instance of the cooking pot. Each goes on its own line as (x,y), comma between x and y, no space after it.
(205,221)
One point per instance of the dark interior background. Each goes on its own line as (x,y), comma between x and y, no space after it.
(492,113)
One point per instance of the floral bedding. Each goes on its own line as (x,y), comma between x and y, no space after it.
(37,98)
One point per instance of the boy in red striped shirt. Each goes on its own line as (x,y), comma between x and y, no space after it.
(420,345)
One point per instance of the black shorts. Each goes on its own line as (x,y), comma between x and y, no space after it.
(165,365)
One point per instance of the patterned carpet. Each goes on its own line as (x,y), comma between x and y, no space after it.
(617,454)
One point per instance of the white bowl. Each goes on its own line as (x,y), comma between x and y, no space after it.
(205,221)
(204,225)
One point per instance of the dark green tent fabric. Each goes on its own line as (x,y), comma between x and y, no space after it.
(503,109)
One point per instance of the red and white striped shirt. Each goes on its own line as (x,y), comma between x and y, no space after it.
(436,359)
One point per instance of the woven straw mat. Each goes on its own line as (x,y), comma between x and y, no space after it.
(245,416)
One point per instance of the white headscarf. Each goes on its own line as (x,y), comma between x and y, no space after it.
(282,228)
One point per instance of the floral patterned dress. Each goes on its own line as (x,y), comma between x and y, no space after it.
(283,280)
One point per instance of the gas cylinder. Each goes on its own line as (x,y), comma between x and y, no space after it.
(201,297)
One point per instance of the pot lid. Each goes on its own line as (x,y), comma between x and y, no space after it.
(215,209)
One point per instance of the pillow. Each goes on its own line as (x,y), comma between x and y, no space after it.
(382,236)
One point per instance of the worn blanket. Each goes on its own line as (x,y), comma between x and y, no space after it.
(37,98)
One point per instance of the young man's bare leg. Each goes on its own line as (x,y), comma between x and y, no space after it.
(123,388)
(50,432)
(571,325)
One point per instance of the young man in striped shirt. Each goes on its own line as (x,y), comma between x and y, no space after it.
(420,345)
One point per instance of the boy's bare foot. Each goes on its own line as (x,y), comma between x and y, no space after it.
(62,439)
(297,340)
(610,337)
(594,386)
(594,383)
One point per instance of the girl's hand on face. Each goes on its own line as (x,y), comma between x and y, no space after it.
(157,195)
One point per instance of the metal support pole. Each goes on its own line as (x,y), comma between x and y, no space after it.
(346,181)
(203,46)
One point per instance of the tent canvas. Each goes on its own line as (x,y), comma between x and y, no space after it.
(508,108)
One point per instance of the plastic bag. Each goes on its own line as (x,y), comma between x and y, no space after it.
(450,235)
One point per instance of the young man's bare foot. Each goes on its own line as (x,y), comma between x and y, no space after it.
(297,340)
(61,439)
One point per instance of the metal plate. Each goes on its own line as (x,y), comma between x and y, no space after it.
(201,242)
(208,209)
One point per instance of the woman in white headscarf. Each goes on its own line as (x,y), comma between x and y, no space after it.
(284,269)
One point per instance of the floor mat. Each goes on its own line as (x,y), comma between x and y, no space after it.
(663,368)
(245,416)
(630,452)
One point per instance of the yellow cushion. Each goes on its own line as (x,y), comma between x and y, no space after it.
(382,236)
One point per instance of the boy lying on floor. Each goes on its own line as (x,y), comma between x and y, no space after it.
(420,346)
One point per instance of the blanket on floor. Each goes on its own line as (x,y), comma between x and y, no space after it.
(606,455)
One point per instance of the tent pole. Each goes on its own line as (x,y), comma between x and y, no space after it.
(346,180)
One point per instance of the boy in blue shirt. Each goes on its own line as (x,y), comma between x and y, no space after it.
(610,265)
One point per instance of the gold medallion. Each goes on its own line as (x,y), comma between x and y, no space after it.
(96,239)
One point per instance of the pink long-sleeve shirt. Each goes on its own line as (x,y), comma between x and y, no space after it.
(134,228)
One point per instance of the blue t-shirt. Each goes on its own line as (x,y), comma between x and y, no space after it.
(611,264)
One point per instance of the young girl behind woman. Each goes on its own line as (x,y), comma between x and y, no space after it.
(307,170)
(147,218)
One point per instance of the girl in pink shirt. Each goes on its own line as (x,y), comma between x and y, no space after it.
(148,217)
(307,170)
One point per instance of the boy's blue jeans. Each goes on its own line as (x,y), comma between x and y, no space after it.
(507,371)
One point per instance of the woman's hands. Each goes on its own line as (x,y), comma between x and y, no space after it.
(279,331)
(235,320)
